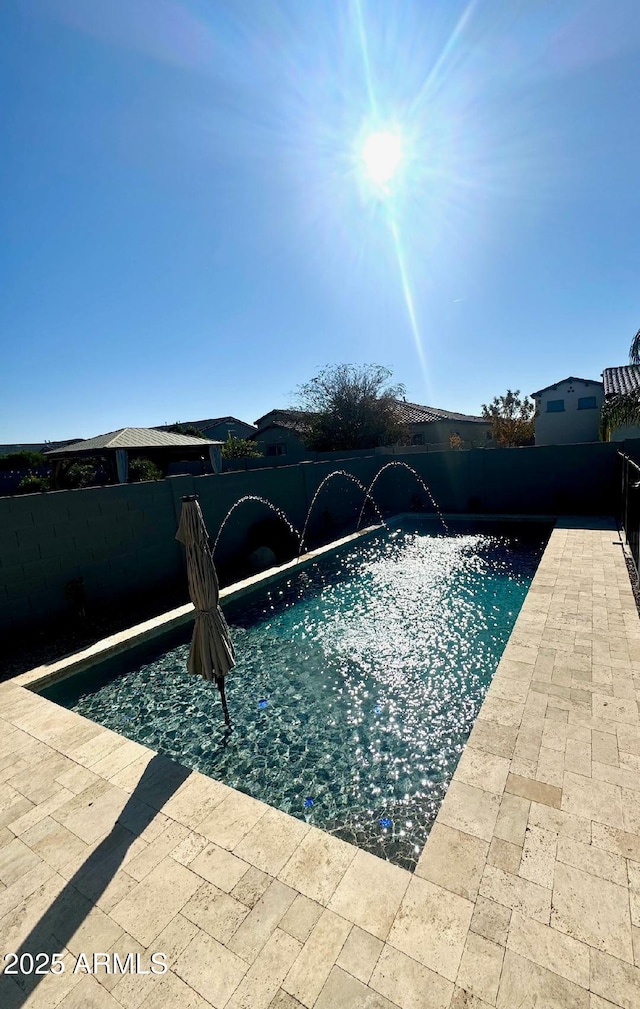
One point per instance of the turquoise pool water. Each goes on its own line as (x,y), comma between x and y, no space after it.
(357,684)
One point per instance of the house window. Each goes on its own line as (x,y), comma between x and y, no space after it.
(276,449)
(555,406)
(587,403)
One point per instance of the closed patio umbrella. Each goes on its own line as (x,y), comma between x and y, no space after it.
(211,654)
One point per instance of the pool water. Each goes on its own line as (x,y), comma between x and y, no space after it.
(357,684)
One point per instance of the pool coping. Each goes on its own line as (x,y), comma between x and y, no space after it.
(501,901)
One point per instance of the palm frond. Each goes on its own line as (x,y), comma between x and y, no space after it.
(618,412)
(634,350)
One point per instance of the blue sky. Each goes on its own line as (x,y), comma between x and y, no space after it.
(188,230)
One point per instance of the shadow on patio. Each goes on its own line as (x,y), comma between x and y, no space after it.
(63,918)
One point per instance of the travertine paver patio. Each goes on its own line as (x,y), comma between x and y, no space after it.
(527,893)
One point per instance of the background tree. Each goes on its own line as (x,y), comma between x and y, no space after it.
(141,469)
(27,461)
(512,419)
(352,406)
(240,448)
(91,471)
(623,409)
(187,429)
(32,468)
(32,484)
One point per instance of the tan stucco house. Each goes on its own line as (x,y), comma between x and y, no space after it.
(433,427)
(281,432)
(568,412)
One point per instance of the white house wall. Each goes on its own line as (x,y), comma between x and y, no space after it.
(571,425)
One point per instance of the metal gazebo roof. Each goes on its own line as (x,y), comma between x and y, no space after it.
(133,438)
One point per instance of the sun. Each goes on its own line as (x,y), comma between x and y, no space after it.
(382,157)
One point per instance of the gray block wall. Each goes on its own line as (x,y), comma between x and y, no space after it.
(121,539)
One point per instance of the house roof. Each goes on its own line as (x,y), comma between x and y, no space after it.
(134,438)
(294,420)
(203,424)
(39,446)
(410,413)
(622,380)
(414,413)
(570,378)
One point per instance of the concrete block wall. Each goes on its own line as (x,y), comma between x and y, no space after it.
(553,480)
(118,539)
(121,540)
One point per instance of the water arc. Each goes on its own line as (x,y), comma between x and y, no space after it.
(262,500)
(348,476)
(425,487)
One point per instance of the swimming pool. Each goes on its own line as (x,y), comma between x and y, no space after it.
(357,684)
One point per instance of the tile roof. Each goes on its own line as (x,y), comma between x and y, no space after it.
(570,378)
(624,379)
(135,437)
(201,424)
(294,420)
(414,413)
(410,413)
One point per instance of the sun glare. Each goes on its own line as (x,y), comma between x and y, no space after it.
(382,157)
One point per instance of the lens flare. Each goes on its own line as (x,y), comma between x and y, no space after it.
(382,156)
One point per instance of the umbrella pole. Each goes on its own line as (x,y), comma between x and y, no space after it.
(220,685)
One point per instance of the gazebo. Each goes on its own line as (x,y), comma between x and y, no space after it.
(117,447)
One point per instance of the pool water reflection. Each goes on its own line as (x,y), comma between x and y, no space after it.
(357,684)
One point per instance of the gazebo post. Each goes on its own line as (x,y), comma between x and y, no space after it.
(122,464)
(55,473)
(215,456)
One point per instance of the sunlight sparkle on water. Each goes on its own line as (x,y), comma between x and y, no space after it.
(412,622)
